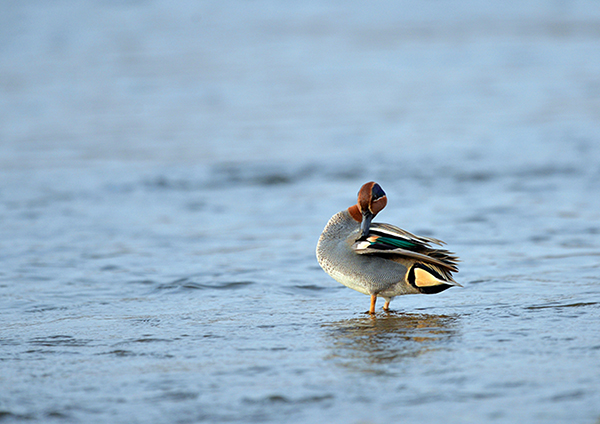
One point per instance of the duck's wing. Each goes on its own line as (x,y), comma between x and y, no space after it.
(395,232)
(388,241)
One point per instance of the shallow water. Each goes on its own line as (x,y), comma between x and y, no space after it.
(164,179)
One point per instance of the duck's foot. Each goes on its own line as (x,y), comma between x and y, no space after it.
(386,306)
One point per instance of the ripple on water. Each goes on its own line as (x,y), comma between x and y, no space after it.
(184,284)
(244,174)
(557,305)
(311,290)
(122,353)
(177,396)
(281,399)
(45,308)
(260,174)
(8,415)
(59,340)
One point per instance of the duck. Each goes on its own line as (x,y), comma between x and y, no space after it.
(382,260)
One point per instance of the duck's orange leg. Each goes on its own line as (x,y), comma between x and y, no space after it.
(373,302)
(386,306)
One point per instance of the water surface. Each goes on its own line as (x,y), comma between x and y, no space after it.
(164,179)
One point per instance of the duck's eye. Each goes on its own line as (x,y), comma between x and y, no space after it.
(377,192)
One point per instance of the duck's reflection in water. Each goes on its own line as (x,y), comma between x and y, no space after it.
(373,344)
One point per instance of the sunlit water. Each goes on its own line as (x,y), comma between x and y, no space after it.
(164,180)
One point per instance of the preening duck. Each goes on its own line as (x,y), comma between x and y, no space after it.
(382,260)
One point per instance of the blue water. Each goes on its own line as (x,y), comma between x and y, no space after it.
(166,170)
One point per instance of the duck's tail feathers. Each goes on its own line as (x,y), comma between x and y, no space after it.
(429,280)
